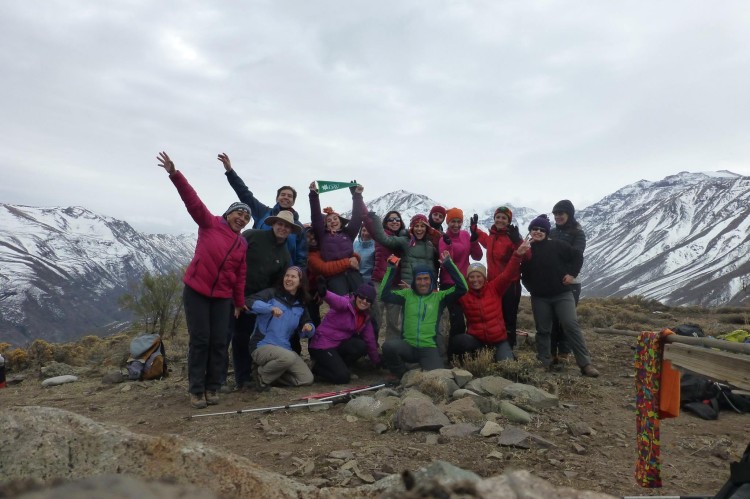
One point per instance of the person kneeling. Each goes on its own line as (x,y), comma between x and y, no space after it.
(422,308)
(483,308)
(345,334)
(281,312)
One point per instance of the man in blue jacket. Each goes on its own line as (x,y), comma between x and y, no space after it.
(285,199)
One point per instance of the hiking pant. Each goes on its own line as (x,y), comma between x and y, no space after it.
(208,325)
(344,283)
(511,300)
(230,337)
(456,318)
(392,315)
(558,344)
(333,364)
(397,352)
(243,363)
(277,364)
(562,307)
(467,344)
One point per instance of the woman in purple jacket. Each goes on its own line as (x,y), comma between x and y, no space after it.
(214,278)
(345,335)
(336,236)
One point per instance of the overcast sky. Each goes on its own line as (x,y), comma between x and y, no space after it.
(470,103)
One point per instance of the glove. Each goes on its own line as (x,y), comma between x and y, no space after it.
(473,228)
(353,188)
(447,239)
(513,234)
(322,286)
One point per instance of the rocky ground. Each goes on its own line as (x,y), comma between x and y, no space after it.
(586,441)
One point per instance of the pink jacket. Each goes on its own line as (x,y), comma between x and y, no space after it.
(460,249)
(218,267)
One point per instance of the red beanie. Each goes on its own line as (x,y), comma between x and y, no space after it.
(437,209)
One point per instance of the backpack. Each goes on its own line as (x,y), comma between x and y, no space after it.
(705,398)
(693,330)
(738,485)
(148,359)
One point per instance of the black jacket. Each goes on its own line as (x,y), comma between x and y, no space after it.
(551,259)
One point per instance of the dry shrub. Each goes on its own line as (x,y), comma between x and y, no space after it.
(40,352)
(434,388)
(481,364)
(17,360)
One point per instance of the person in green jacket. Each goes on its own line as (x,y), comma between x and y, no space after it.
(422,306)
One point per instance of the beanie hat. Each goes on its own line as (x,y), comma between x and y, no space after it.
(328,211)
(477,267)
(454,213)
(565,206)
(366,290)
(417,219)
(236,206)
(437,209)
(542,222)
(506,210)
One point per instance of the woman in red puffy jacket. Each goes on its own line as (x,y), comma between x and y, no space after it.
(482,306)
(214,279)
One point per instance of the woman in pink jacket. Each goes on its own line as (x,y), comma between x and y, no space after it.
(214,279)
(459,246)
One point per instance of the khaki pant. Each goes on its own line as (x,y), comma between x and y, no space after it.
(276,364)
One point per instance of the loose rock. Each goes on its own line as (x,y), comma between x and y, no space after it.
(59,380)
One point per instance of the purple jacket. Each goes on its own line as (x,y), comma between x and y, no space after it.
(218,267)
(460,249)
(338,325)
(336,245)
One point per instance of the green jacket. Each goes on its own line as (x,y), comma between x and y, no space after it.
(422,253)
(267,260)
(422,313)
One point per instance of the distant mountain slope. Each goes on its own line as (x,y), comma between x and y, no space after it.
(62,269)
(682,240)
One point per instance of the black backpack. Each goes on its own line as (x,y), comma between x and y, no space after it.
(738,485)
(704,398)
(693,330)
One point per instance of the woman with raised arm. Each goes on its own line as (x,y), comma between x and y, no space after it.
(213,280)
(336,236)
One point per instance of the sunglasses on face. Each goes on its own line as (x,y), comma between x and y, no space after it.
(393,219)
(536,229)
(366,300)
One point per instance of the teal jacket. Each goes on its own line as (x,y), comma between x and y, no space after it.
(422,313)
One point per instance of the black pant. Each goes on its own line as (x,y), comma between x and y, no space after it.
(333,364)
(511,300)
(243,363)
(345,283)
(208,325)
(456,318)
(558,343)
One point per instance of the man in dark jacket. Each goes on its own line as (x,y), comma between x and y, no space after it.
(286,196)
(268,258)
(552,267)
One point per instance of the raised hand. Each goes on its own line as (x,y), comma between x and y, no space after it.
(353,188)
(524,248)
(473,228)
(445,256)
(225,161)
(514,234)
(165,162)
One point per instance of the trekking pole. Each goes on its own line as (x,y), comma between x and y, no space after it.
(327,394)
(261,409)
(351,392)
(667,497)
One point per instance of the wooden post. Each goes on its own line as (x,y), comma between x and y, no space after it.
(729,346)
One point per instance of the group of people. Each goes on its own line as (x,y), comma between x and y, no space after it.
(261,289)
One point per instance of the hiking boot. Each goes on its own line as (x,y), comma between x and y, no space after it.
(212,398)
(257,382)
(198,401)
(590,371)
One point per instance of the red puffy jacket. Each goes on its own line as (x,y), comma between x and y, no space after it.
(218,267)
(499,250)
(483,308)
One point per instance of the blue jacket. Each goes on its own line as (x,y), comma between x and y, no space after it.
(259,211)
(270,330)
(366,251)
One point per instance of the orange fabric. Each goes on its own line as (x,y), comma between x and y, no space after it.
(669,393)
(327,269)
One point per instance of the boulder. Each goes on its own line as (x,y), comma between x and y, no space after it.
(369,407)
(530,397)
(59,380)
(419,415)
(461,376)
(459,430)
(475,385)
(514,414)
(462,410)
(490,429)
(494,385)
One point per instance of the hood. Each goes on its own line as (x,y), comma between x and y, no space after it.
(421,269)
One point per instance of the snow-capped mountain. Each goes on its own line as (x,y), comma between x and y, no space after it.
(62,270)
(682,240)
(410,204)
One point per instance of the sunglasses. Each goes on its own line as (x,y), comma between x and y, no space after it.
(366,300)
(536,229)
(393,219)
